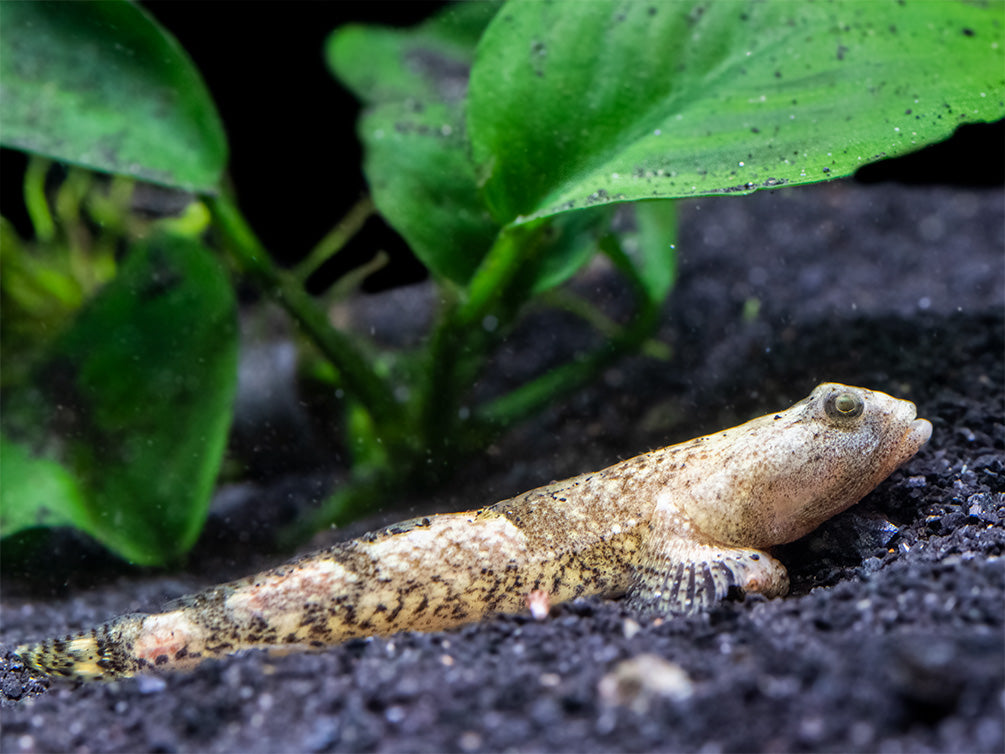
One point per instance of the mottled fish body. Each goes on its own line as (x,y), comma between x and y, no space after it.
(674,529)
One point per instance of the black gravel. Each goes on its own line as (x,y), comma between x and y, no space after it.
(891,639)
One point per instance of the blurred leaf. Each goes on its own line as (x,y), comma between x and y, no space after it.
(429,62)
(37,492)
(568,243)
(134,401)
(654,251)
(423,183)
(572,105)
(417,156)
(101,84)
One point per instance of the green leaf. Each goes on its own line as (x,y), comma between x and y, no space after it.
(37,491)
(431,61)
(573,105)
(101,84)
(134,401)
(423,183)
(417,158)
(653,250)
(644,249)
(567,244)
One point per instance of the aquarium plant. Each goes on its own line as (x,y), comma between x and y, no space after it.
(508,144)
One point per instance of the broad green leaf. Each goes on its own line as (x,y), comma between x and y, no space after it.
(36,491)
(417,158)
(101,84)
(423,183)
(134,401)
(577,104)
(431,61)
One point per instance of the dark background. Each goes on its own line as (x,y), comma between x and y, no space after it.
(295,159)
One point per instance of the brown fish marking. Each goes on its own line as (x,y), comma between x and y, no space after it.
(674,529)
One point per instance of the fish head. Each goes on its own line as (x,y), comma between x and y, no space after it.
(784,474)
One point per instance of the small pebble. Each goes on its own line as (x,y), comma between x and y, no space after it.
(636,683)
(150,684)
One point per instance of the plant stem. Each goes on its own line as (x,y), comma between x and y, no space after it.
(34,199)
(359,495)
(437,399)
(541,391)
(459,339)
(335,239)
(359,379)
(580,307)
(494,274)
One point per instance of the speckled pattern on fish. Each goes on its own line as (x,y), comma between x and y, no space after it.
(673,529)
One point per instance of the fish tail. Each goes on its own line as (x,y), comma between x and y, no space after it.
(104,652)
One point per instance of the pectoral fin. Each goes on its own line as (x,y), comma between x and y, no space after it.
(683,577)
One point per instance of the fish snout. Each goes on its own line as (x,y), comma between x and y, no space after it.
(919,432)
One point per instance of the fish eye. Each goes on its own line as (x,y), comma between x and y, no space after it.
(843,405)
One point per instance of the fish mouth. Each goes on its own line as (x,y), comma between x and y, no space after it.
(917,434)
(922,430)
